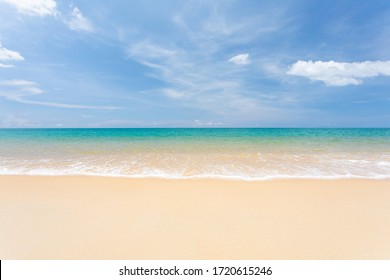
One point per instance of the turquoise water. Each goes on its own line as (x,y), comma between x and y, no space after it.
(246,153)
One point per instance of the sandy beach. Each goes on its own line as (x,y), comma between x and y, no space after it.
(120,218)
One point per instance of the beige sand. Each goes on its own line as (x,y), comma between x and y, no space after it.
(118,218)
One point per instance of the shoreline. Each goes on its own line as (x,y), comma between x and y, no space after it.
(210,177)
(90,217)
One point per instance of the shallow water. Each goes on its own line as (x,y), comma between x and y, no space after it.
(246,153)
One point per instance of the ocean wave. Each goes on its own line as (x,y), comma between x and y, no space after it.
(164,174)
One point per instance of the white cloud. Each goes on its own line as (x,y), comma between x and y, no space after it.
(241,59)
(78,22)
(34,7)
(19,90)
(339,73)
(2,65)
(6,55)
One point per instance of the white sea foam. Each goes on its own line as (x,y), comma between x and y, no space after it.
(280,167)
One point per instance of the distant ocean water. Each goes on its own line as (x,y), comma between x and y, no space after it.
(245,153)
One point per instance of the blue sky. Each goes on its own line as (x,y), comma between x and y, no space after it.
(194,63)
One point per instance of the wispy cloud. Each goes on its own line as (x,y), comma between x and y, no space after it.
(241,59)
(214,26)
(339,73)
(195,71)
(20,90)
(146,49)
(192,79)
(213,86)
(17,83)
(78,22)
(62,105)
(172,93)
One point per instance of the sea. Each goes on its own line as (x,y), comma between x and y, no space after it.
(230,153)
